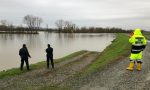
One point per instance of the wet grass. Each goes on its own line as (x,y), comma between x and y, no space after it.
(16,71)
(119,48)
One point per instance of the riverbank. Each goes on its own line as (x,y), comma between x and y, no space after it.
(16,71)
(70,71)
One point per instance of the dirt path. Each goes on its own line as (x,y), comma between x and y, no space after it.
(42,78)
(116,77)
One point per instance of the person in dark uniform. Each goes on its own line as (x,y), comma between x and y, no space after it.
(49,56)
(24,54)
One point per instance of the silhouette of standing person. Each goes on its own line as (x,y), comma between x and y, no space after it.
(24,54)
(49,56)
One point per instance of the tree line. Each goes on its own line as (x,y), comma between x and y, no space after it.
(33,25)
(69,27)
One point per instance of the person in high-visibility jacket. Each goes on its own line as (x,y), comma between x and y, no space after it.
(138,42)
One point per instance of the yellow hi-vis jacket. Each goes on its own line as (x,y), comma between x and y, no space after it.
(138,42)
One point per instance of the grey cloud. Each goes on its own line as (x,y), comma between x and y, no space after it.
(117,13)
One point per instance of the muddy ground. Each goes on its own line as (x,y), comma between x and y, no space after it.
(116,77)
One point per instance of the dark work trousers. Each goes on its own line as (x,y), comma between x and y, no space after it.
(52,63)
(22,63)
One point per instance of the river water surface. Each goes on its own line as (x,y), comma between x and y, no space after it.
(63,44)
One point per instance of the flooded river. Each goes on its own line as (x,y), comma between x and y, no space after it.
(63,44)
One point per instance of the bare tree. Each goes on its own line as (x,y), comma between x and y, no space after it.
(60,24)
(69,26)
(32,22)
(28,19)
(38,22)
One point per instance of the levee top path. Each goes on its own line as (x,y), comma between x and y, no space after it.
(116,77)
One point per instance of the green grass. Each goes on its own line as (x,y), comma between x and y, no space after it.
(118,49)
(147,35)
(16,71)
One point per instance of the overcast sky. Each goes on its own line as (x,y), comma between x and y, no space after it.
(128,14)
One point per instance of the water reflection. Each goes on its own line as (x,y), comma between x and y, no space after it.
(63,44)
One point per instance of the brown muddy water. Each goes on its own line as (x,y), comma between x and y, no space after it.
(63,44)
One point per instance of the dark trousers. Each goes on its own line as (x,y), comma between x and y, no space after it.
(22,63)
(50,59)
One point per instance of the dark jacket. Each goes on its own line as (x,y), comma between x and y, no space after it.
(24,54)
(49,52)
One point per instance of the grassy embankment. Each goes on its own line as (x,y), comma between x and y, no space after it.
(16,71)
(119,49)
